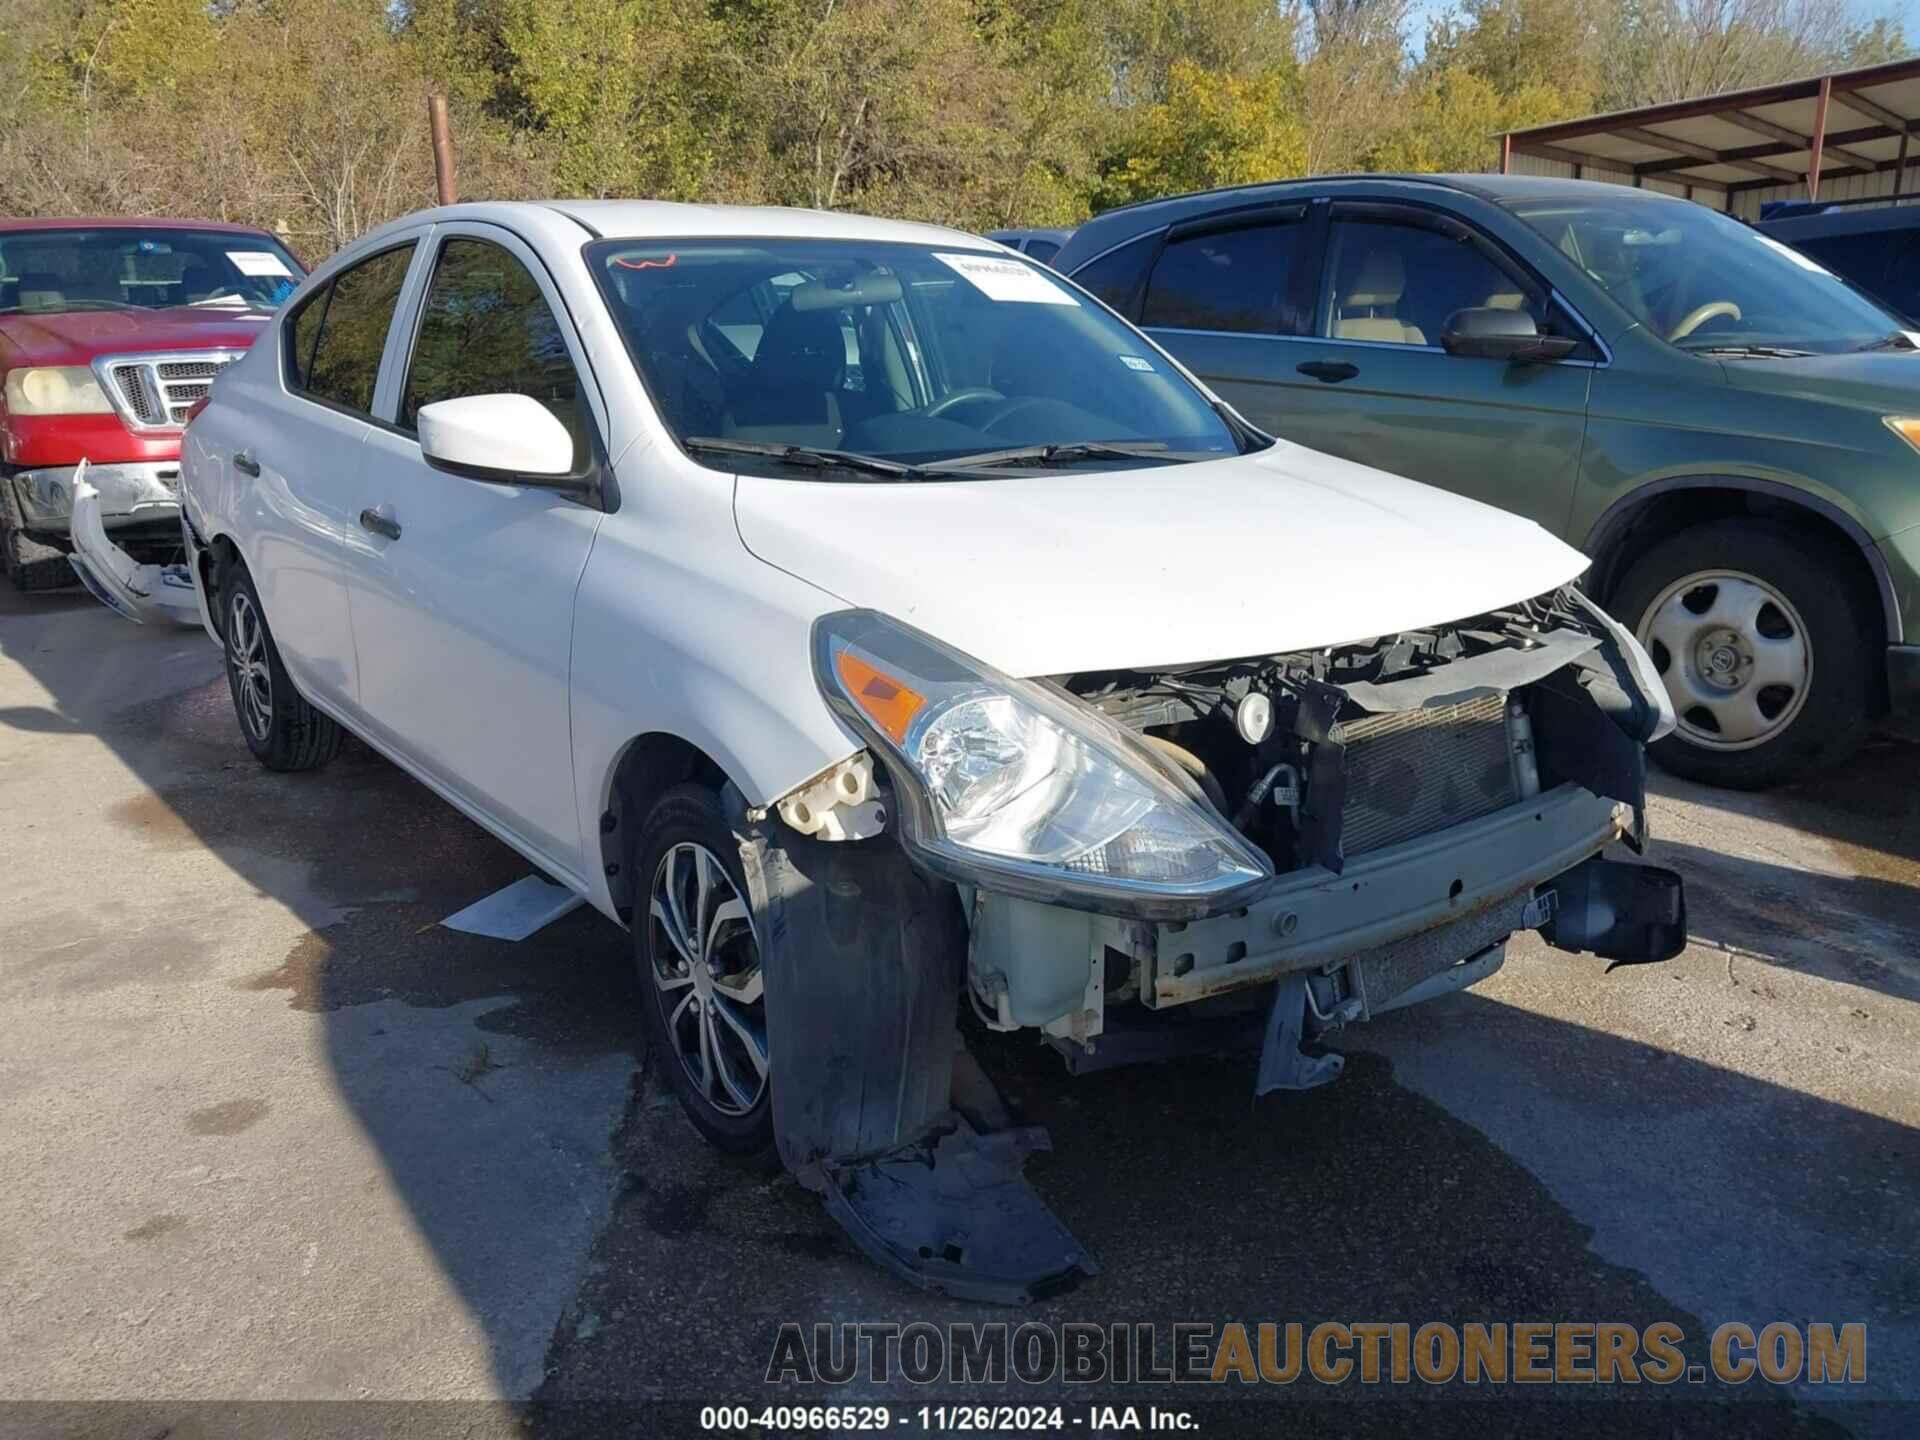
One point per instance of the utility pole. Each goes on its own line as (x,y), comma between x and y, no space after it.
(442,148)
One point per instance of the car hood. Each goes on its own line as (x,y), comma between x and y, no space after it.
(76,337)
(1884,381)
(1285,550)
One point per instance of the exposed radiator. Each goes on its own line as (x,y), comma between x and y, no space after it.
(1419,771)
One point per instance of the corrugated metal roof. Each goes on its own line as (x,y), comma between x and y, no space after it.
(1745,146)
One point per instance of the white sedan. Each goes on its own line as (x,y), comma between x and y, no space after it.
(879,627)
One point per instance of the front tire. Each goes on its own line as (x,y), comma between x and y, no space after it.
(1767,650)
(282,730)
(698,952)
(32,565)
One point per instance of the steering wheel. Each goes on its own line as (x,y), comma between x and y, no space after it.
(1011,409)
(1699,316)
(961,397)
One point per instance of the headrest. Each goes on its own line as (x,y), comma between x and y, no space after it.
(801,348)
(1504,300)
(1382,280)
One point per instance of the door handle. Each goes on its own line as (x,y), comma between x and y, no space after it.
(1330,372)
(244,462)
(371,519)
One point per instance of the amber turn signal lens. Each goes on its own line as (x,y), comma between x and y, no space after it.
(886,702)
(1907,427)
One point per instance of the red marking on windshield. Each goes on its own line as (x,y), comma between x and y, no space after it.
(666,264)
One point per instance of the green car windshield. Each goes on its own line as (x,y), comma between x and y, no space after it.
(1705,282)
(919,361)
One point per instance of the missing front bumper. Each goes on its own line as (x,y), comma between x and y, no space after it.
(1313,918)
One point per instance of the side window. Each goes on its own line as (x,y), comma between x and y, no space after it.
(352,331)
(299,333)
(1042,250)
(1116,276)
(1901,289)
(1234,280)
(1399,284)
(487,330)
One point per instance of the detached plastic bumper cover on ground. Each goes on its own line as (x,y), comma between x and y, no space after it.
(144,594)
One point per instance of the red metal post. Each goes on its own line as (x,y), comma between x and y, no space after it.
(1819,136)
(1506,152)
(442,148)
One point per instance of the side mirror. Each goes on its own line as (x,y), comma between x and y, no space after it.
(508,439)
(1510,335)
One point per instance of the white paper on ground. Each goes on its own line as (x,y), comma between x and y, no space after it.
(515,911)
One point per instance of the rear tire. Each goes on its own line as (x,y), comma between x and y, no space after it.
(282,730)
(697,948)
(1769,651)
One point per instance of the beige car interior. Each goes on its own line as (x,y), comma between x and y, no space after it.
(1367,310)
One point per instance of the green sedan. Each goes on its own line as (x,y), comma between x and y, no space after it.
(1728,430)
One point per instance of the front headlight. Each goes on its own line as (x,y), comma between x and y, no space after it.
(56,390)
(1013,785)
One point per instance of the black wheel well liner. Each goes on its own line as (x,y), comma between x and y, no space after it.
(650,764)
(1667,507)
(217,556)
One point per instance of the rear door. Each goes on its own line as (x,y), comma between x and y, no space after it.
(1375,385)
(300,468)
(463,597)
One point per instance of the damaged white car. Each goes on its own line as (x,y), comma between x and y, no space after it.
(878,626)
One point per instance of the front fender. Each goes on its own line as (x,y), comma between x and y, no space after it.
(680,634)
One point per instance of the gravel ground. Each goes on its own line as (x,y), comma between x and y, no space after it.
(272,1135)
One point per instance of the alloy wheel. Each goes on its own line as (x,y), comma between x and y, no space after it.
(247,663)
(705,963)
(1734,654)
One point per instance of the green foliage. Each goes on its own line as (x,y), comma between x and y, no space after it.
(309,115)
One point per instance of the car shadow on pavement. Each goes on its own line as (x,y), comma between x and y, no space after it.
(614,1261)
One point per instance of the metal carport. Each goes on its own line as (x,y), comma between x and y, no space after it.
(1843,136)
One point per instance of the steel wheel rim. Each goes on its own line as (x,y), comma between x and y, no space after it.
(704,958)
(248,668)
(1734,655)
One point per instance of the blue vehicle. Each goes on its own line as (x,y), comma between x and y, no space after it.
(1041,245)
(1873,243)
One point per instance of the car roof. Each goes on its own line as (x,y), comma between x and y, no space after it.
(1845,222)
(1115,227)
(125,222)
(666,219)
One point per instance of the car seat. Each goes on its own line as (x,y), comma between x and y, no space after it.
(791,394)
(1368,310)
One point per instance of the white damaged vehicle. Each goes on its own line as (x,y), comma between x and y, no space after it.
(879,627)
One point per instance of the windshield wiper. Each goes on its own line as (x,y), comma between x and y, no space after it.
(1056,454)
(1749,352)
(807,455)
(1898,340)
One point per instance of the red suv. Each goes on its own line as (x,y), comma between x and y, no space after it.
(110,330)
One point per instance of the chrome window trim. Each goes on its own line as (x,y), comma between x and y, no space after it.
(1600,364)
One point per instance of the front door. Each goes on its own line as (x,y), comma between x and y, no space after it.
(464,618)
(1375,385)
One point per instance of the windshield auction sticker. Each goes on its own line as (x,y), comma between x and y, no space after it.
(258,262)
(999,279)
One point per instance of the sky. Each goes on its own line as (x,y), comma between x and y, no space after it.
(1863,11)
